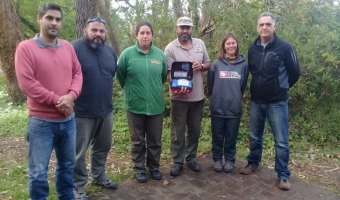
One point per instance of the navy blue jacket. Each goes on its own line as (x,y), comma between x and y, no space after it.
(274,68)
(226,84)
(98,67)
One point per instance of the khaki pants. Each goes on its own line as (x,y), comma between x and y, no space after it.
(185,116)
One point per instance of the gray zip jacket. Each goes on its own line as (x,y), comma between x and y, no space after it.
(226,85)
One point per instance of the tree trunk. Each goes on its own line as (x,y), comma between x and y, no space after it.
(96,8)
(10,35)
(85,9)
(178,11)
(166,9)
(193,10)
(104,10)
(206,34)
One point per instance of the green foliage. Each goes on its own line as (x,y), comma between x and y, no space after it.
(13,118)
(231,16)
(28,11)
(121,134)
(316,36)
(319,126)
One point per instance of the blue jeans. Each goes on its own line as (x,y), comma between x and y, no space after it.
(277,115)
(44,136)
(224,137)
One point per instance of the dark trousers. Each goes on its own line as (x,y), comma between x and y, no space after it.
(185,116)
(224,137)
(144,128)
(95,133)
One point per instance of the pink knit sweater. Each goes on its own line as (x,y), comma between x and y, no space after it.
(45,74)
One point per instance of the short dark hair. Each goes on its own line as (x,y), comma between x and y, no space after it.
(48,6)
(143,23)
(222,50)
(267,14)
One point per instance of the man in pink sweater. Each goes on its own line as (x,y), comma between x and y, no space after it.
(50,75)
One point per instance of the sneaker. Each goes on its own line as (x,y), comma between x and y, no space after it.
(155,174)
(141,177)
(228,166)
(79,194)
(176,170)
(284,184)
(194,166)
(218,166)
(108,184)
(249,169)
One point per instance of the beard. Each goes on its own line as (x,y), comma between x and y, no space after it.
(96,43)
(184,37)
(52,33)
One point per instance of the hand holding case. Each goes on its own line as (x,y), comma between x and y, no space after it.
(181,76)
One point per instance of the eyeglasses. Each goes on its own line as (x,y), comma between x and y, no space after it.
(95,19)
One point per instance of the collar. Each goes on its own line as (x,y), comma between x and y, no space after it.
(178,44)
(140,50)
(259,43)
(43,44)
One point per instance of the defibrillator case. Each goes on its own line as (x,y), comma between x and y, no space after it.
(181,76)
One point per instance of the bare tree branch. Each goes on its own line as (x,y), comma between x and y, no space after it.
(127,2)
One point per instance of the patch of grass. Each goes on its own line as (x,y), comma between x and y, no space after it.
(13,123)
(13,118)
(166,139)
(13,182)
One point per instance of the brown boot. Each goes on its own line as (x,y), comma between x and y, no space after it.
(284,184)
(249,169)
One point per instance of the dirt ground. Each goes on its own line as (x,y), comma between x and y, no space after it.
(323,172)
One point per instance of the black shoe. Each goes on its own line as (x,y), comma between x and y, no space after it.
(194,166)
(155,174)
(141,177)
(176,170)
(108,184)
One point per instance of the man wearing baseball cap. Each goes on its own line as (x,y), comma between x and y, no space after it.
(186,108)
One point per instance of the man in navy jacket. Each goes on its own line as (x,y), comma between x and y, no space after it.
(274,66)
(94,107)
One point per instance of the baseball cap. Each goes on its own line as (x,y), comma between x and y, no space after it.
(184,21)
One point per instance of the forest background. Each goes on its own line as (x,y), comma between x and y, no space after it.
(312,26)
